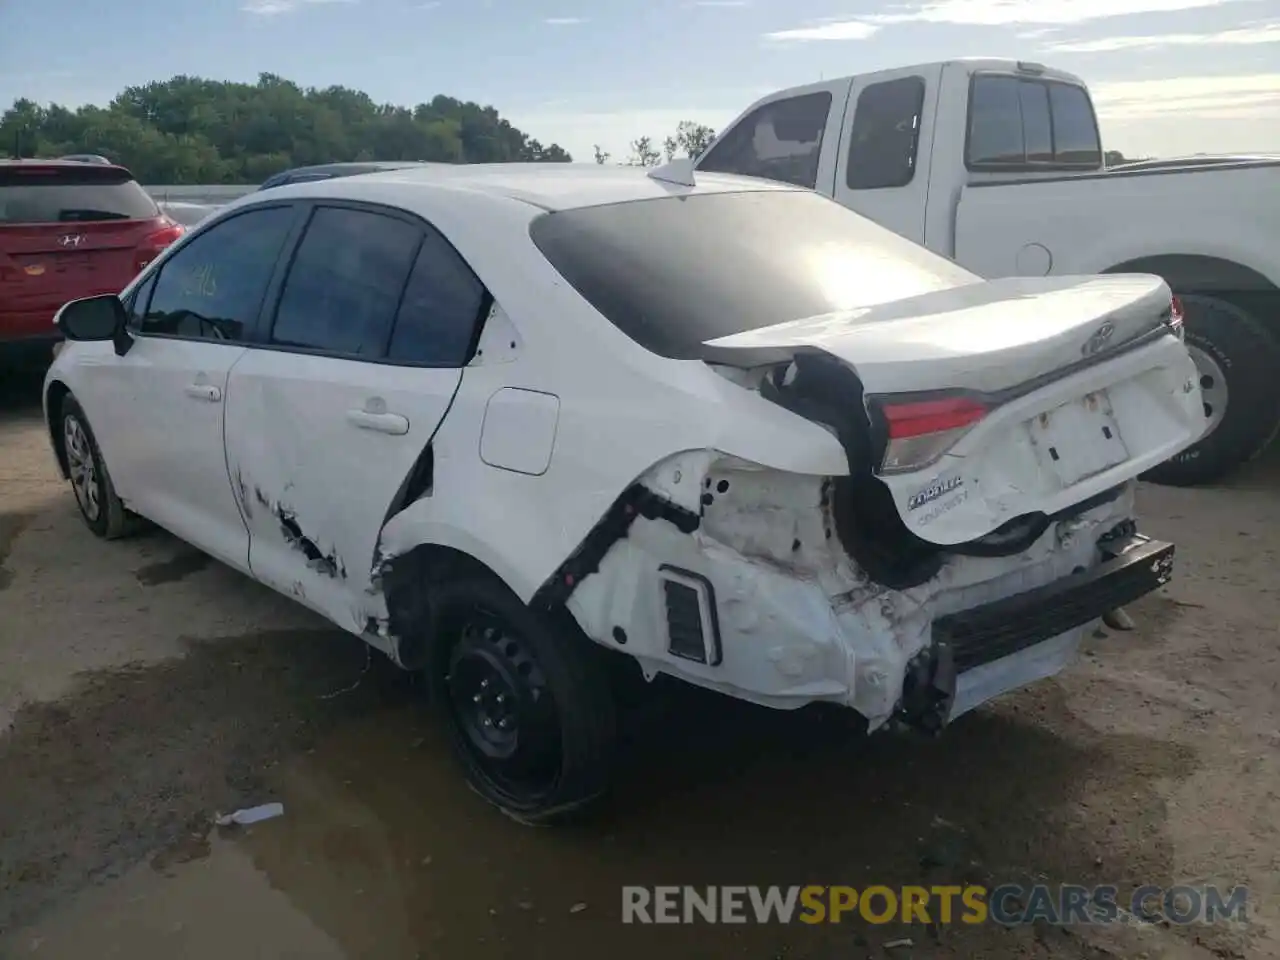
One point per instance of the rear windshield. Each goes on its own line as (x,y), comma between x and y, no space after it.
(55,195)
(673,272)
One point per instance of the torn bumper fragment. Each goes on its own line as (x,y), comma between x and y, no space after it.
(761,601)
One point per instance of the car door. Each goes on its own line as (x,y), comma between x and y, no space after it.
(158,410)
(363,352)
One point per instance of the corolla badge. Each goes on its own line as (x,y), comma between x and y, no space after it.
(1099,339)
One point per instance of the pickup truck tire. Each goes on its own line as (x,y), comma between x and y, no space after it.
(1246,407)
(525,698)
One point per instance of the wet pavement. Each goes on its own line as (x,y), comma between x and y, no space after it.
(149,689)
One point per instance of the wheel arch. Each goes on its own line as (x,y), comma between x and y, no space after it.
(55,393)
(406,580)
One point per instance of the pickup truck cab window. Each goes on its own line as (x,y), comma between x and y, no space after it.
(886,134)
(781,140)
(1019,123)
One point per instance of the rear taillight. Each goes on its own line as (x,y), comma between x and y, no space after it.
(153,244)
(920,431)
(1174,322)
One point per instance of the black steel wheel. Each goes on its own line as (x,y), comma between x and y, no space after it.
(526,701)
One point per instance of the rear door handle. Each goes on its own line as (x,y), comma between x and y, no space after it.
(391,423)
(204,391)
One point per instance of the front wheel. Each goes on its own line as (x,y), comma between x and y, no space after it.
(525,698)
(1237,362)
(101,509)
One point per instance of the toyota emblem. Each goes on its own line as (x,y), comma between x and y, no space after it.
(70,240)
(1099,339)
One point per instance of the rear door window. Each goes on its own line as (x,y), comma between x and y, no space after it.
(1019,123)
(77,193)
(344,286)
(886,134)
(440,311)
(781,140)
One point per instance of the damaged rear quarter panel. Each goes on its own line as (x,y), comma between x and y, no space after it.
(622,410)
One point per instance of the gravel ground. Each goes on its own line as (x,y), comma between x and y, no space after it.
(144,688)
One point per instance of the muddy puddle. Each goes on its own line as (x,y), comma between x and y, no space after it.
(382,851)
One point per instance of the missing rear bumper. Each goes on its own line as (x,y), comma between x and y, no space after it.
(973,638)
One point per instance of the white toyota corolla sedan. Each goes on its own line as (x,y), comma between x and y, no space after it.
(497,420)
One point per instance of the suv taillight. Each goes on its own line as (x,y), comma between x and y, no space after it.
(154,243)
(919,431)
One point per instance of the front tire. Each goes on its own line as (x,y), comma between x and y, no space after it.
(100,508)
(1237,361)
(526,700)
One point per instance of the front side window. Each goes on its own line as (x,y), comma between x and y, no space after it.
(212,288)
(781,140)
(886,134)
(1020,123)
(345,284)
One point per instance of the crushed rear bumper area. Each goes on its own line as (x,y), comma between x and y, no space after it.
(1134,566)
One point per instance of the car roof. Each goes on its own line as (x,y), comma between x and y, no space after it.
(340,168)
(549,186)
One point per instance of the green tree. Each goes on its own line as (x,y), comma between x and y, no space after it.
(196,130)
(643,153)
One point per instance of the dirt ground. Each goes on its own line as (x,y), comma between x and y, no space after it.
(145,688)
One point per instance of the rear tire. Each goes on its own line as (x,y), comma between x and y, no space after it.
(1238,362)
(102,511)
(525,698)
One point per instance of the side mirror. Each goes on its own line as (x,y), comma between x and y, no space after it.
(92,318)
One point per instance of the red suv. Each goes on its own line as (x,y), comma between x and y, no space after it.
(69,229)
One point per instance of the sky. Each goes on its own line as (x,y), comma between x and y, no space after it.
(1169,77)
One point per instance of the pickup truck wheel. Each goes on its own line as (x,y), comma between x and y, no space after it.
(102,511)
(525,699)
(1237,361)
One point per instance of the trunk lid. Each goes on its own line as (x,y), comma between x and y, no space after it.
(1068,386)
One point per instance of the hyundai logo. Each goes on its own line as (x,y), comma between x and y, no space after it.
(70,240)
(1099,339)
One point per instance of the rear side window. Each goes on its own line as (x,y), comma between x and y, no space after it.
(781,140)
(886,134)
(1018,123)
(674,272)
(345,283)
(212,288)
(440,310)
(80,193)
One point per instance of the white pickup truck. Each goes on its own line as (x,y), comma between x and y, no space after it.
(998,165)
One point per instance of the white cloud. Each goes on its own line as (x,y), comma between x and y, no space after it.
(721,3)
(271,8)
(996,13)
(1244,36)
(564,21)
(1252,96)
(830,30)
